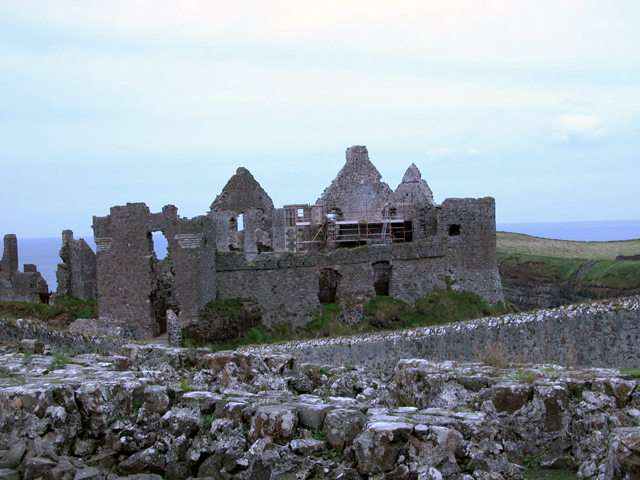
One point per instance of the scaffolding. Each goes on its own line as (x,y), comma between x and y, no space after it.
(317,228)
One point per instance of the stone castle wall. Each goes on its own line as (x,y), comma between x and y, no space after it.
(16,286)
(77,275)
(133,285)
(279,256)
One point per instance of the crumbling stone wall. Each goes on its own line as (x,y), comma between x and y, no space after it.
(287,285)
(468,227)
(77,275)
(433,245)
(134,286)
(357,188)
(16,286)
(243,195)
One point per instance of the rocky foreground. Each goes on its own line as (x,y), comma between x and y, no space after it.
(153,412)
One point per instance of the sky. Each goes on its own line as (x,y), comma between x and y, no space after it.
(536,104)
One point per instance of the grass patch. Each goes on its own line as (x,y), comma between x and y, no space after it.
(442,305)
(68,308)
(539,474)
(60,359)
(526,244)
(632,372)
(621,275)
(438,307)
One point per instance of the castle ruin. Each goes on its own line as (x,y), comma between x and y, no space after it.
(17,286)
(360,239)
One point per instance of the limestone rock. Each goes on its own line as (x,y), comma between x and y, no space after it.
(378,445)
(275,421)
(341,427)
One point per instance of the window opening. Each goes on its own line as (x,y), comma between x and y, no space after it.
(381,278)
(159,244)
(454,230)
(328,286)
(240,222)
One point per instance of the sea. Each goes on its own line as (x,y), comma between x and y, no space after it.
(43,252)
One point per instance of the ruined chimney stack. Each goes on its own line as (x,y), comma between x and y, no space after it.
(10,255)
(67,237)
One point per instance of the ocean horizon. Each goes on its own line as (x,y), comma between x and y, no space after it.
(44,252)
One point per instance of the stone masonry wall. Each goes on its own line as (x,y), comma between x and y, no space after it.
(594,335)
(77,276)
(287,285)
(129,272)
(16,286)
(468,225)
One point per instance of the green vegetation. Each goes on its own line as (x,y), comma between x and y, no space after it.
(318,435)
(438,307)
(539,474)
(60,359)
(632,372)
(604,273)
(526,376)
(525,244)
(208,420)
(67,308)
(329,454)
(185,384)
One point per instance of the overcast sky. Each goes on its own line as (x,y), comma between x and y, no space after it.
(536,103)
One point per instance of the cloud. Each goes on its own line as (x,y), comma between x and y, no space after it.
(440,153)
(579,128)
(473,152)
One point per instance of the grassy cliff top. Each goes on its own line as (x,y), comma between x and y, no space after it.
(525,244)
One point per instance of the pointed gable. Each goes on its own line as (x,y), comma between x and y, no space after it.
(413,189)
(357,188)
(241,194)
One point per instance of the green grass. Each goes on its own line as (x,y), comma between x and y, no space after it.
(632,372)
(439,307)
(539,474)
(60,359)
(64,307)
(526,244)
(381,313)
(624,275)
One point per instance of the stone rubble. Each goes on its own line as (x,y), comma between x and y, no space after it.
(155,412)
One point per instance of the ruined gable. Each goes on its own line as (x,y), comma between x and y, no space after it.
(413,189)
(241,194)
(357,186)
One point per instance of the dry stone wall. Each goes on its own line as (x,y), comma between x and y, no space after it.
(603,334)
(153,412)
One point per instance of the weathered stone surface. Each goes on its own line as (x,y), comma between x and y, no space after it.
(378,445)
(77,275)
(224,325)
(274,421)
(342,426)
(135,417)
(16,286)
(9,474)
